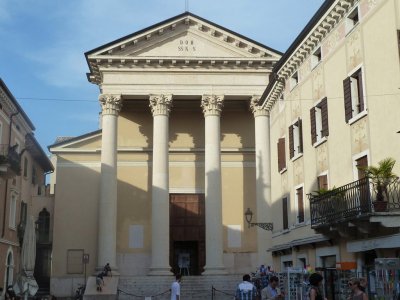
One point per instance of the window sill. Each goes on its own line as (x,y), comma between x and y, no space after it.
(296,157)
(283,171)
(358,117)
(320,142)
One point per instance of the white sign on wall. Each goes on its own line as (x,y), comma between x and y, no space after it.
(234,236)
(136,236)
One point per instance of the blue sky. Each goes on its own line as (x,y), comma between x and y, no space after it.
(42,45)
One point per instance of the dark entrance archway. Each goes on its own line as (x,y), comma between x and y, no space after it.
(187,233)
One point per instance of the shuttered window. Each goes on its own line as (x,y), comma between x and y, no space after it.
(300,205)
(285,213)
(323,182)
(319,121)
(296,139)
(354,102)
(281,154)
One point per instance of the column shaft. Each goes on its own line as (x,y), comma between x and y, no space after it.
(213,195)
(107,210)
(263,181)
(160,105)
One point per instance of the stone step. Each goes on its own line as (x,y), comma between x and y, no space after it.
(192,287)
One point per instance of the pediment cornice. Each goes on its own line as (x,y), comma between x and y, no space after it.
(227,49)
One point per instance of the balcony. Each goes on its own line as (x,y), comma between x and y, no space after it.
(354,205)
(10,165)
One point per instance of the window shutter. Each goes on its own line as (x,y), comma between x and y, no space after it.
(281,154)
(300,205)
(300,125)
(360,90)
(291,143)
(348,110)
(285,213)
(313,126)
(323,182)
(324,114)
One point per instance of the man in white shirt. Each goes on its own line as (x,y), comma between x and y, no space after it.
(176,288)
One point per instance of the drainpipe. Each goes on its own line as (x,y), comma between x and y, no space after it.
(3,229)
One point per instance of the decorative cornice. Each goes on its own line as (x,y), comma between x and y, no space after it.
(110,104)
(160,104)
(212,104)
(256,108)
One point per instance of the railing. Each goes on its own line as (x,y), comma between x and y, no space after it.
(353,200)
(9,156)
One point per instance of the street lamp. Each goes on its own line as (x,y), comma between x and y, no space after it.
(249,216)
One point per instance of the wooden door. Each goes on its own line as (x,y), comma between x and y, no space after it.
(187,229)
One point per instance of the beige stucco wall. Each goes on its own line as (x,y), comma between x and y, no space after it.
(373,45)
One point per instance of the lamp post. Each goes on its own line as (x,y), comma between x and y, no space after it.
(249,216)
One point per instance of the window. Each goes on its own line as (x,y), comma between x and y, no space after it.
(294,80)
(13,208)
(281,155)
(285,213)
(316,58)
(25,167)
(322,182)
(319,121)
(354,102)
(300,205)
(34,178)
(361,164)
(296,139)
(44,226)
(352,19)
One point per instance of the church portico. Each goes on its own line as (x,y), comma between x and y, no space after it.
(177,162)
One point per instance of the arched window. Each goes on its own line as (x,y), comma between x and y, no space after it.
(44,226)
(9,269)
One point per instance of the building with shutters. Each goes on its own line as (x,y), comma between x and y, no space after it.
(334,108)
(23,165)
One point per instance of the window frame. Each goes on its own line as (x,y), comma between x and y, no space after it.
(296,145)
(319,120)
(281,148)
(349,91)
(296,197)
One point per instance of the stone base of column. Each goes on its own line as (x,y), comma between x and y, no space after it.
(214,271)
(160,272)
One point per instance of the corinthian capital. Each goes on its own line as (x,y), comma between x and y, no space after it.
(160,104)
(212,104)
(256,107)
(110,104)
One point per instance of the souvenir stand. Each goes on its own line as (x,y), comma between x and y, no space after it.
(387,278)
(292,284)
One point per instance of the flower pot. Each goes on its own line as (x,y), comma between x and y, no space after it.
(380,206)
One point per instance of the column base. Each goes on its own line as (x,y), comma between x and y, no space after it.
(214,271)
(160,272)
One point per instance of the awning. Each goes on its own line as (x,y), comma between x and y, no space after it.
(299,242)
(389,241)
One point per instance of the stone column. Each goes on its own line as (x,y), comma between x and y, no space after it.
(263,179)
(107,211)
(160,107)
(211,106)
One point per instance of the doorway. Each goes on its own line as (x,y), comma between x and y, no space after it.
(187,233)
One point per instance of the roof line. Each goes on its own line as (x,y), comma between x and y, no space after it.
(15,102)
(169,20)
(74,139)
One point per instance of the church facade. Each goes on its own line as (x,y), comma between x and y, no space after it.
(180,156)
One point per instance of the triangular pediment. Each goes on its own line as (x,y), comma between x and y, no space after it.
(87,142)
(185,36)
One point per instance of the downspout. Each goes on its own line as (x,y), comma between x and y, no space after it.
(3,229)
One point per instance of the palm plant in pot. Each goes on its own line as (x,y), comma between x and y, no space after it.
(380,177)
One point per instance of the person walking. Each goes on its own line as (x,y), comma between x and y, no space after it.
(315,289)
(246,290)
(99,281)
(356,290)
(176,288)
(272,291)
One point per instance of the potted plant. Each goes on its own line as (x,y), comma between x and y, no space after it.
(380,177)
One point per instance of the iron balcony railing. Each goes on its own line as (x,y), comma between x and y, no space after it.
(353,200)
(9,156)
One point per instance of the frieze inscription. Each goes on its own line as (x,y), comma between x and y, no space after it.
(186,45)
